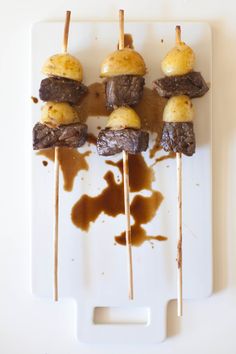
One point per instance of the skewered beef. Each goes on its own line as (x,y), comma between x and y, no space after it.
(178,137)
(59,89)
(71,135)
(124,90)
(191,84)
(111,142)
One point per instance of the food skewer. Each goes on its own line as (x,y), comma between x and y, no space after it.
(59,125)
(179,85)
(123,71)
(56,178)
(179,215)
(179,235)
(126,184)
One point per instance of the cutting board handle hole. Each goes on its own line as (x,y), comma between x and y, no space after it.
(121,316)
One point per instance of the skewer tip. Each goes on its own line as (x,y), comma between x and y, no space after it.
(178,34)
(66,31)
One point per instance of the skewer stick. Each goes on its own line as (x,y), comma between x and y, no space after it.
(126,186)
(56,178)
(179,236)
(179,216)
(55,221)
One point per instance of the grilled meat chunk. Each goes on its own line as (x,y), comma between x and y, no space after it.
(124,90)
(178,137)
(59,89)
(111,142)
(70,135)
(191,84)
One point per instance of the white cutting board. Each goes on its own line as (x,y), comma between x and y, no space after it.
(91,269)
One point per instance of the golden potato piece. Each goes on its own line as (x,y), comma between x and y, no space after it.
(178,109)
(123,62)
(54,114)
(123,117)
(179,61)
(63,65)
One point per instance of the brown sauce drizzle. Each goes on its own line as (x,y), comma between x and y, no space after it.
(71,162)
(138,181)
(128,41)
(138,235)
(170,155)
(34,99)
(110,201)
(150,110)
(93,103)
(91,139)
(143,209)
(48,153)
(154,150)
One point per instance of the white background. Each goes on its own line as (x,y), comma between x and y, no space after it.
(35,326)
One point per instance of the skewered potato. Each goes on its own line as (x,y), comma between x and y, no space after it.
(178,109)
(55,114)
(123,62)
(123,117)
(63,65)
(179,61)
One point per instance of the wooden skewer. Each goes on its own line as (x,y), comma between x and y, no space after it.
(55,221)
(126,186)
(179,216)
(56,178)
(179,236)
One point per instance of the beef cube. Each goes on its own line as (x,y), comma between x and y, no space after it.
(59,89)
(71,135)
(191,84)
(111,142)
(124,90)
(178,137)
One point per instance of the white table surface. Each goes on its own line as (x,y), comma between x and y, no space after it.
(29,325)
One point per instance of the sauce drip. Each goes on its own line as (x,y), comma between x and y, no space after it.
(110,201)
(143,209)
(150,109)
(170,155)
(138,181)
(71,162)
(93,103)
(154,150)
(128,41)
(138,236)
(91,139)
(34,99)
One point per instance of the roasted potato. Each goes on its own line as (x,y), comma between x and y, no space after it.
(123,62)
(178,109)
(63,65)
(54,114)
(179,61)
(123,117)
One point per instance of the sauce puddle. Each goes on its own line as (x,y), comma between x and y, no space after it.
(143,209)
(138,181)
(111,201)
(170,155)
(71,162)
